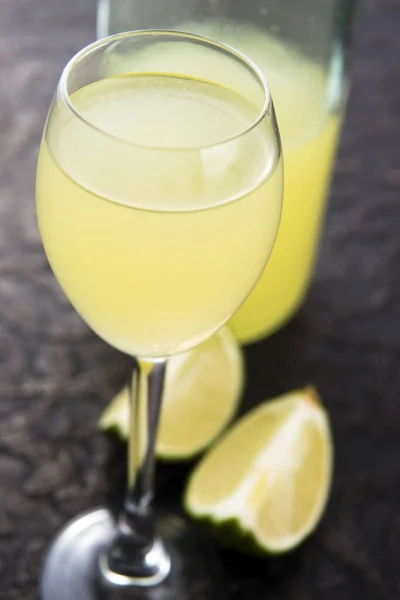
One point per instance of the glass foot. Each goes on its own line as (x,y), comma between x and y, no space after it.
(72,571)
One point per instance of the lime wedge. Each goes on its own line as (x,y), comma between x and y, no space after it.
(202,393)
(264,485)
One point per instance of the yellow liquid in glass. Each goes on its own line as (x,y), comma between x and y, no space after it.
(157,248)
(309,133)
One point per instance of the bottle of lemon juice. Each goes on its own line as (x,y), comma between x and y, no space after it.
(301,46)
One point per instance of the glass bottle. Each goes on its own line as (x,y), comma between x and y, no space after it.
(302,46)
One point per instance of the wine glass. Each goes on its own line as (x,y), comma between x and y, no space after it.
(159,193)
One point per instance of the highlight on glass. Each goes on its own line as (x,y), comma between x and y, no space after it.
(159,195)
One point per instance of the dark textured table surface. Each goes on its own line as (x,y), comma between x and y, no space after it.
(55,375)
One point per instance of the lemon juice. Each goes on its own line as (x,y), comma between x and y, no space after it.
(157,210)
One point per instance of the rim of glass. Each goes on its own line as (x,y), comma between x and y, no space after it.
(249,64)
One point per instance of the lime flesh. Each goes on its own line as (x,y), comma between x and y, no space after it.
(265,483)
(202,392)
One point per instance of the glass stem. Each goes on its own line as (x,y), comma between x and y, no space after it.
(137,556)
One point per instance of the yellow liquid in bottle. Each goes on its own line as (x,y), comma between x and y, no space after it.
(309,133)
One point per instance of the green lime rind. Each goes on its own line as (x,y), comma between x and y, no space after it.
(114,431)
(230,534)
